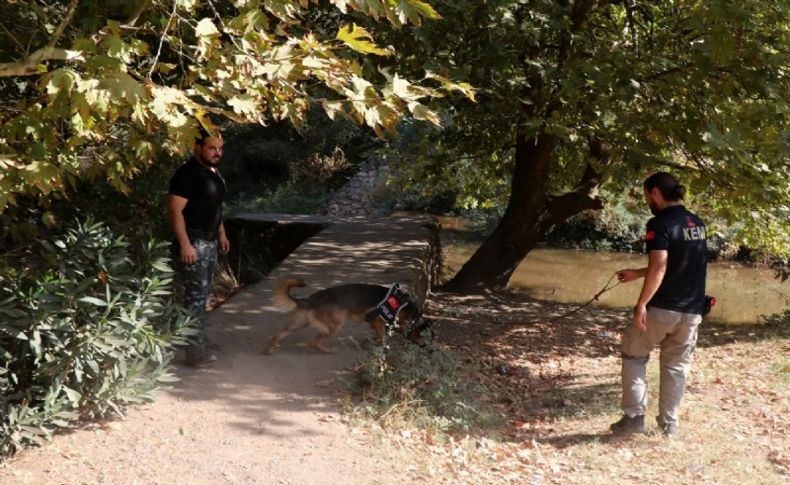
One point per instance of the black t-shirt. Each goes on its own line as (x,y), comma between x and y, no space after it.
(682,235)
(204,190)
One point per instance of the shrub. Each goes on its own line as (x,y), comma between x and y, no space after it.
(86,337)
(287,198)
(278,168)
(618,227)
(309,185)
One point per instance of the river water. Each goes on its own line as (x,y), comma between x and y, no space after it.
(743,293)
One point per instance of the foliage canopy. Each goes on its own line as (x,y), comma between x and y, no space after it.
(613,90)
(100,88)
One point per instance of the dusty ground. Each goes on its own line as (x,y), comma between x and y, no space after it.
(248,419)
(251,418)
(256,419)
(557,384)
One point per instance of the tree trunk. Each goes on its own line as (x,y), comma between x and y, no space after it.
(531,213)
(531,210)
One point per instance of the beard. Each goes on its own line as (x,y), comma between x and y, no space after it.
(654,210)
(209,162)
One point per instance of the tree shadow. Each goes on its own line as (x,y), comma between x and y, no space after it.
(267,394)
(522,346)
(715,334)
(590,332)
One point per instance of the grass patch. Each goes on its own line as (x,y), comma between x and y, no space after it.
(403,385)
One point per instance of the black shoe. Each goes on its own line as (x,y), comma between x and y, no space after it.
(628,425)
(669,429)
(200,360)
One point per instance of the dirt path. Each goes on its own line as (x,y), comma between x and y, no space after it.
(252,418)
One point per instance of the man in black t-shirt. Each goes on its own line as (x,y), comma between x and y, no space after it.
(195,211)
(669,309)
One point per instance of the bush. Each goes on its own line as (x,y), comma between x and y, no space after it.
(426,385)
(86,337)
(620,226)
(305,191)
(287,198)
(278,168)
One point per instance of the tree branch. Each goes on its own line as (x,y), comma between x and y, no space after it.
(585,195)
(629,10)
(29,65)
(565,205)
(63,24)
(664,73)
(8,32)
(579,13)
(161,39)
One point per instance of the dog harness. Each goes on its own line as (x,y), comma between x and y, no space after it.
(389,308)
(394,301)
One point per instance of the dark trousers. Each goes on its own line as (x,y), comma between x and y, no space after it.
(196,281)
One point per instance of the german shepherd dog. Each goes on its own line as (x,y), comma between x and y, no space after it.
(329,309)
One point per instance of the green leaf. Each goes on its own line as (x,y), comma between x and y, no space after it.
(162,266)
(245,105)
(73,396)
(188,5)
(413,11)
(61,81)
(93,301)
(168,378)
(421,112)
(467,89)
(120,85)
(360,40)
(144,150)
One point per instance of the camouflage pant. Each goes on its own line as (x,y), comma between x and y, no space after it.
(195,281)
(676,334)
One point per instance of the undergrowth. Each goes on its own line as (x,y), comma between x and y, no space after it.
(430,387)
(93,332)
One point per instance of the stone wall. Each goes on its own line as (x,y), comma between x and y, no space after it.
(356,197)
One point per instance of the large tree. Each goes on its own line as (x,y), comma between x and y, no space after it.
(100,88)
(576,95)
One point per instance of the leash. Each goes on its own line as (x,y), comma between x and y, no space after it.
(605,288)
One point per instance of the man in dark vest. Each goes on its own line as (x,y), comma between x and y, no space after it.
(669,309)
(195,211)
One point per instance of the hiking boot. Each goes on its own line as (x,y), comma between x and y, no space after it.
(200,359)
(629,425)
(669,429)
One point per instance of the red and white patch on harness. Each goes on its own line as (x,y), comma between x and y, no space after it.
(393,302)
(650,235)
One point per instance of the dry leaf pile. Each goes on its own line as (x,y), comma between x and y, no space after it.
(557,384)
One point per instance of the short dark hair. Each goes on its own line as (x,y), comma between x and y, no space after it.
(203,133)
(667,184)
